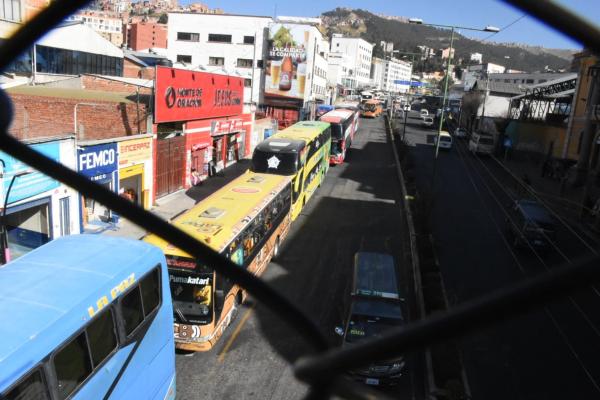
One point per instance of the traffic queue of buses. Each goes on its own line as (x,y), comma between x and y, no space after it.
(86,304)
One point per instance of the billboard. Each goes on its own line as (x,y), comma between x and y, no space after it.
(287,65)
(184,95)
(28,182)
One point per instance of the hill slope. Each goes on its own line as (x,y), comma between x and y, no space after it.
(406,37)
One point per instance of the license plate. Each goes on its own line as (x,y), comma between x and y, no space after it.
(372,381)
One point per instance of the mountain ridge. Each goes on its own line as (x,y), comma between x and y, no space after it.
(406,37)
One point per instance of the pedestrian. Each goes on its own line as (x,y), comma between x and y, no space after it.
(195,177)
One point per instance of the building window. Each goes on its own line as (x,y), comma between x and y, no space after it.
(259,63)
(214,37)
(10,10)
(216,61)
(248,39)
(529,81)
(188,37)
(244,63)
(247,82)
(184,59)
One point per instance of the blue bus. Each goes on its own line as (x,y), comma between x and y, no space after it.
(87,317)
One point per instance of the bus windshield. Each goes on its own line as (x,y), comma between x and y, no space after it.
(274,163)
(192,297)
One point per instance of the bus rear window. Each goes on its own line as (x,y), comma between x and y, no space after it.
(32,388)
(337,131)
(277,163)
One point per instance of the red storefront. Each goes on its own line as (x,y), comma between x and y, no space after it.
(200,127)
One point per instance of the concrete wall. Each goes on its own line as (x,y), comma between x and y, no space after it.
(536,137)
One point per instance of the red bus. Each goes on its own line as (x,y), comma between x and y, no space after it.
(342,133)
(353,106)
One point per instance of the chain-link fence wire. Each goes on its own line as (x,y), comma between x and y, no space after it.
(322,368)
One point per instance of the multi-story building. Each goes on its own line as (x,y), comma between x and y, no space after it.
(477,57)
(479,71)
(297,69)
(446,52)
(223,43)
(396,71)
(360,53)
(377,73)
(107,24)
(426,52)
(13,13)
(146,35)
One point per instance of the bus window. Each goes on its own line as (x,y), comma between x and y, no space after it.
(32,387)
(150,292)
(102,337)
(131,307)
(73,365)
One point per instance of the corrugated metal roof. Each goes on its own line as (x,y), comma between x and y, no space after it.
(80,94)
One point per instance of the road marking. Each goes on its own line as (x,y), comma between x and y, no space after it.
(235,334)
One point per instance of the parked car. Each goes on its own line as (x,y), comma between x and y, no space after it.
(531,224)
(445,140)
(424,112)
(481,143)
(460,133)
(376,305)
(427,122)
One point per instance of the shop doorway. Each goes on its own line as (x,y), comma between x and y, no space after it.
(95,212)
(28,226)
(131,182)
(170,161)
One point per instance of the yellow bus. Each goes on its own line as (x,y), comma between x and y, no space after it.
(300,151)
(246,221)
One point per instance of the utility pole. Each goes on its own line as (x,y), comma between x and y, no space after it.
(487,84)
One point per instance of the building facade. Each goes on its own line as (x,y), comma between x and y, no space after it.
(107,24)
(396,74)
(146,35)
(221,43)
(200,127)
(378,68)
(360,53)
(477,57)
(39,208)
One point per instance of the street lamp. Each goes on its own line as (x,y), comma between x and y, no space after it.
(3,231)
(419,21)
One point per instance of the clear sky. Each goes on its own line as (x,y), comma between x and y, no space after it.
(471,13)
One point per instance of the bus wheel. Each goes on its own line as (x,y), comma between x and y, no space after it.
(276,248)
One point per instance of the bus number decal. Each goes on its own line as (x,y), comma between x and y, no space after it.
(103,301)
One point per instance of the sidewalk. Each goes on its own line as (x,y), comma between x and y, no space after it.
(567,205)
(173,204)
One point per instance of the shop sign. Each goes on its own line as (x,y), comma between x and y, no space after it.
(225,127)
(183,95)
(134,151)
(28,182)
(98,160)
(287,60)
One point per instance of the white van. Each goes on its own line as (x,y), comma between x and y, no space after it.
(481,143)
(445,140)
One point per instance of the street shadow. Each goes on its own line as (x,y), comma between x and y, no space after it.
(213,183)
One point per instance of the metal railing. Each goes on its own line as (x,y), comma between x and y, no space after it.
(322,368)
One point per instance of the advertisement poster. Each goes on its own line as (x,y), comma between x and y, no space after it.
(286,64)
(183,95)
(28,182)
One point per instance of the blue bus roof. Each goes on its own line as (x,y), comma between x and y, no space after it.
(45,295)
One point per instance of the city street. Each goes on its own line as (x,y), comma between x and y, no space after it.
(355,209)
(551,353)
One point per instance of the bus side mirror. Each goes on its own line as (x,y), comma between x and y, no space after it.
(339,331)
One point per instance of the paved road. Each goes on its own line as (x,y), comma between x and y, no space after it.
(354,209)
(552,353)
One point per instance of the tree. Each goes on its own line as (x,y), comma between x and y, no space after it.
(470,105)
(164,18)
